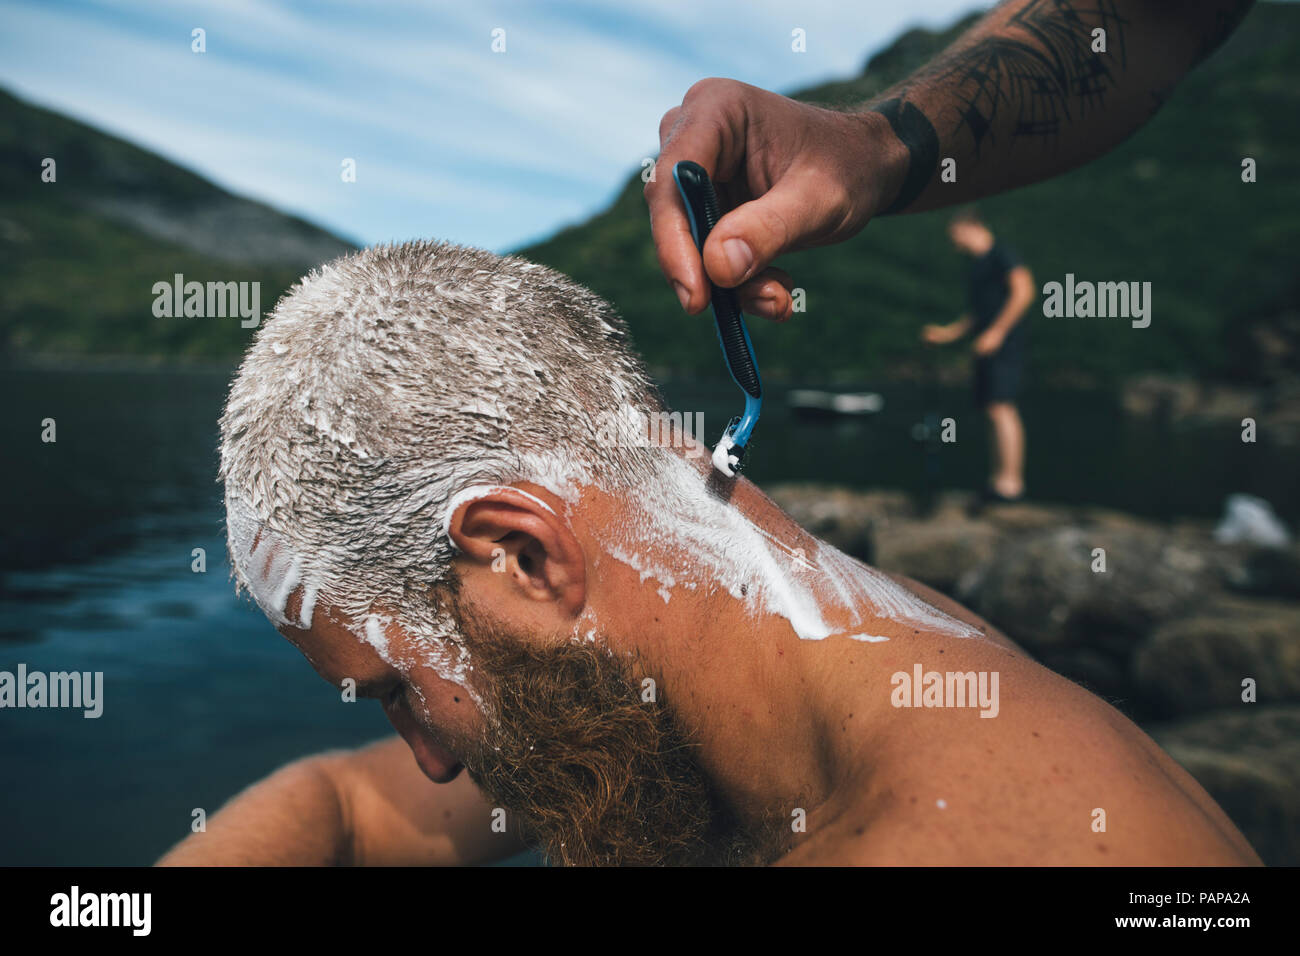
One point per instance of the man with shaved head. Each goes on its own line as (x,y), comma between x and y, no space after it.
(441,485)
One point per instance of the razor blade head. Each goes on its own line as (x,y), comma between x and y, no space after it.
(728,457)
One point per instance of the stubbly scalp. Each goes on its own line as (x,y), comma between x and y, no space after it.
(385,382)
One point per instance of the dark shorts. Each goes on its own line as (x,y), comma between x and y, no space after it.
(997,377)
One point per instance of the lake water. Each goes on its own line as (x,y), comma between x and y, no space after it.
(203,697)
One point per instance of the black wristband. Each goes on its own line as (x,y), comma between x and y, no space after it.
(917,134)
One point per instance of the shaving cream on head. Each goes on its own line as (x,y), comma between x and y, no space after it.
(272,572)
(383,385)
(476,493)
(269,568)
(682,534)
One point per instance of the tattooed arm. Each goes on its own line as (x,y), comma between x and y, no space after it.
(1028,92)
(1041,86)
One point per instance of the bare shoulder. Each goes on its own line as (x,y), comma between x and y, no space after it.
(953,609)
(1053,775)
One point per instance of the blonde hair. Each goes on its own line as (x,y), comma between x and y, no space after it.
(389,380)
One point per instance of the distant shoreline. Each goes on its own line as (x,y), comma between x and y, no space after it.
(115,363)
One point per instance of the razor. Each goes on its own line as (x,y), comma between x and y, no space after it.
(701,204)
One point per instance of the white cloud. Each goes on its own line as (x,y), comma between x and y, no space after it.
(485,148)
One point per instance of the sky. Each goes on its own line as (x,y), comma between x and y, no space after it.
(450,138)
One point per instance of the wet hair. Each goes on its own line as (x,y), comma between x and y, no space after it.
(387,381)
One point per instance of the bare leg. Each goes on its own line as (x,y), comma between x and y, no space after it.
(1008,434)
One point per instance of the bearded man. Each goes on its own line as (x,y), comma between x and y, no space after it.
(440,486)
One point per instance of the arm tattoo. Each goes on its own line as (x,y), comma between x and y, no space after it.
(1044,79)
(1041,78)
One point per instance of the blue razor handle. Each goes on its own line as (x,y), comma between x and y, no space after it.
(701,204)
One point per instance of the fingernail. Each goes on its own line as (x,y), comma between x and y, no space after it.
(683,293)
(764,308)
(739,256)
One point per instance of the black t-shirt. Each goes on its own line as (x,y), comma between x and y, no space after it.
(988,290)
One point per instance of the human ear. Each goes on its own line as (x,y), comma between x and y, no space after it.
(516,534)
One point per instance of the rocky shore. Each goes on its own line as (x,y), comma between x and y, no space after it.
(1167,632)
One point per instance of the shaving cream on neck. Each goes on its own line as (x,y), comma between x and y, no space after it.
(679,534)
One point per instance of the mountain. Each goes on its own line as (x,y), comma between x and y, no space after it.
(1167,206)
(79,256)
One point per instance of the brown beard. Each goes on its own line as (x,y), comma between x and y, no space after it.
(591,773)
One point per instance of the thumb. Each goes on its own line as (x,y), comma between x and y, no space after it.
(747,239)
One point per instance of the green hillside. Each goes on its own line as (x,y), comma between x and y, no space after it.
(1168,207)
(79,256)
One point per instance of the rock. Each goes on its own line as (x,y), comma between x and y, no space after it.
(1248,758)
(225,227)
(1108,518)
(934,553)
(1172,399)
(1158,396)
(1267,572)
(1275,405)
(842,517)
(1040,587)
(1198,663)
(1023,516)
(952,506)
(1106,675)
(1224,403)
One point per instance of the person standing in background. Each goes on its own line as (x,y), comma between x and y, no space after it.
(1021,96)
(1000,289)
